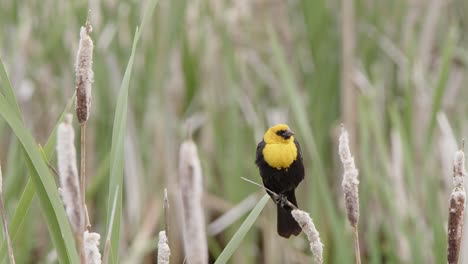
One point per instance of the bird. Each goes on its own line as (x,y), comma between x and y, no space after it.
(279,160)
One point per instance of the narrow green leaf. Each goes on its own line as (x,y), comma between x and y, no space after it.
(116,156)
(45,186)
(20,213)
(29,191)
(7,89)
(118,142)
(441,83)
(242,231)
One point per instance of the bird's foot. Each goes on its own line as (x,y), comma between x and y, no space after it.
(281,199)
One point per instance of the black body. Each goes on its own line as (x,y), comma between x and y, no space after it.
(283,182)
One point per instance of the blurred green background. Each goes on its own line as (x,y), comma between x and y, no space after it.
(394,72)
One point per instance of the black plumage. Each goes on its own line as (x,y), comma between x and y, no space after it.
(283,182)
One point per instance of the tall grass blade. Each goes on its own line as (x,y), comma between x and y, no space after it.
(20,213)
(29,192)
(48,194)
(118,142)
(45,186)
(441,83)
(242,231)
(7,89)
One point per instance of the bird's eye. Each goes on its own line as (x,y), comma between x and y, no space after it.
(280,132)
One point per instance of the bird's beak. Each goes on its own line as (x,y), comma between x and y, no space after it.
(288,133)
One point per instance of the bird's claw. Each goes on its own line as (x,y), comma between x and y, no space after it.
(281,199)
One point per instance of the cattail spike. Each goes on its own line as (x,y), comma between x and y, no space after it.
(68,174)
(84,73)
(191,187)
(456,209)
(350,179)
(164,252)
(350,187)
(307,225)
(91,247)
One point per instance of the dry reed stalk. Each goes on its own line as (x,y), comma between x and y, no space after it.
(307,225)
(191,188)
(456,209)
(69,183)
(5,222)
(164,252)
(84,80)
(166,212)
(350,188)
(83,174)
(91,247)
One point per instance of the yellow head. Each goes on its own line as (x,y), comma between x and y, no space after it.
(279,134)
(280,151)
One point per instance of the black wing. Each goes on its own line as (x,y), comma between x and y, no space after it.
(259,157)
(298,163)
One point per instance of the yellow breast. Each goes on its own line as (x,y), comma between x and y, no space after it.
(280,156)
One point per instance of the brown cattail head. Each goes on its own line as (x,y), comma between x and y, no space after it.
(307,225)
(191,188)
(456,209)
(91,247)
(68,173)
(350,179)
(164,252)
(84,73)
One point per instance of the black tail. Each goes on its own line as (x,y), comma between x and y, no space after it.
(287,226)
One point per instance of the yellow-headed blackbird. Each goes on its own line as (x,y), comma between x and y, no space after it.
(279,160)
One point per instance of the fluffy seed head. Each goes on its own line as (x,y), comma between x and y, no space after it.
(307,225)
(350,179)
(459,172)
(164,252)
(84,74)
(191,188)
(68,174)
(91,248)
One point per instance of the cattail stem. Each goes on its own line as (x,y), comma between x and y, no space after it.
(166,212)
(164,252)
(80,245)
(83,174)
(357,251)
(5,222)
